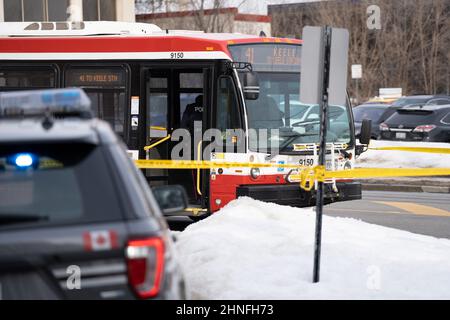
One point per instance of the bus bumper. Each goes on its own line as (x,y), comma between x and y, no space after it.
(293,195)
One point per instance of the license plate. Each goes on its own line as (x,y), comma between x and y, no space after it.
(400,135)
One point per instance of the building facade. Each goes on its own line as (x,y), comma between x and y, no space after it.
(210,20)
(67,10)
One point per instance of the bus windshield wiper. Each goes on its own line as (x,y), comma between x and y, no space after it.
(20,218)
(288,141)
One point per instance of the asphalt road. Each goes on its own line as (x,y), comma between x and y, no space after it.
(423,213)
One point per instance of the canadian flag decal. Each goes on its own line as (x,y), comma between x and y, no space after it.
(100,240)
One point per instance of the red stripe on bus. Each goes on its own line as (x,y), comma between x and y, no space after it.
(117,44)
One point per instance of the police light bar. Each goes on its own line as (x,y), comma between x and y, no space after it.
(60,102)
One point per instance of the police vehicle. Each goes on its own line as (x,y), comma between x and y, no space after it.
(77,219)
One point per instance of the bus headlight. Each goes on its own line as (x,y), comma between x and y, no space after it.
(255,173)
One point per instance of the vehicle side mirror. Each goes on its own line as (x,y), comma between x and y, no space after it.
(251,86)
(171,199)
(366,132)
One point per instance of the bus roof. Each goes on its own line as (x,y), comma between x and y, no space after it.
(154,43)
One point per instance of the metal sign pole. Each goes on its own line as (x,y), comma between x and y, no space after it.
(322,152)
(323,79)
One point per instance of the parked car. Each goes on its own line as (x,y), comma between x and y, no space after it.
(418,100)
(371,112)
(381,100)
(413,123)
(77,218)
(438,101)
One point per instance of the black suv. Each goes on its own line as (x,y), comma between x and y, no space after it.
(418,123)
(77,219)
(371,112)
(418,100)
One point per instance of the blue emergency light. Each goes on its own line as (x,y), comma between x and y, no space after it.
(23,160)
(40,102)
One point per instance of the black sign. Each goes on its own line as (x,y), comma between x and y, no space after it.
(95,78)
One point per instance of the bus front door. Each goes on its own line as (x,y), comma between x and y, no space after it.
(176,97)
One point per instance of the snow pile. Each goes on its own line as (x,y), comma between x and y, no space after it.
(401,159)
(256,250)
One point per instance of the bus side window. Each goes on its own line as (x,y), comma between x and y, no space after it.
(107,89)
(191,94)
(157,105)
(227,112)
(12,78)
(109,106)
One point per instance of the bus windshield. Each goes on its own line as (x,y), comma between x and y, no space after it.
(278,105)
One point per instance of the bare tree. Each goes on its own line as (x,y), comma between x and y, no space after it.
(205,15)
(411,50)
(214,22)
(148,6)
(153,6)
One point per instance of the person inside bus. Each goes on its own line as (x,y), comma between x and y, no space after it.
(193,112)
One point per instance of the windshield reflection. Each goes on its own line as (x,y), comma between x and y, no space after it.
(278,107)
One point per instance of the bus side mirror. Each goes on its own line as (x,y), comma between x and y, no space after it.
(171,199)
(251,86)
(366,132)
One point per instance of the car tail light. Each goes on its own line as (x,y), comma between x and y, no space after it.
(145,262)
(424,128)
(384,127)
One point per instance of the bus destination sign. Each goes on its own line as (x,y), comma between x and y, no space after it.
(269,57)
(93,78)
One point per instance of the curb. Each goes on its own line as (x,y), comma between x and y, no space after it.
(428,186)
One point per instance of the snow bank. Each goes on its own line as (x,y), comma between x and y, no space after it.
(256,250)
(401,159)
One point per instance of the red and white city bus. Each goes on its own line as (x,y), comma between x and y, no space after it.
(147,83)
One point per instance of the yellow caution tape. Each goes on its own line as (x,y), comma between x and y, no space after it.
(203,164)
(415,149)
(318,173)
(307,176)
